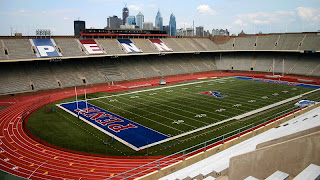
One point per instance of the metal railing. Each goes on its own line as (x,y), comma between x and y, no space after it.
(202,147)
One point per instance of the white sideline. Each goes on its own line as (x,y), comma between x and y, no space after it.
(205,127)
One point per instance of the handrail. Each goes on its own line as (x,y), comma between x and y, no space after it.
(203,146)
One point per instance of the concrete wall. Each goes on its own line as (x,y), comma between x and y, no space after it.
(290,157)
(198,157)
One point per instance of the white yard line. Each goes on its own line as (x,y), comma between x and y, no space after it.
(235,118)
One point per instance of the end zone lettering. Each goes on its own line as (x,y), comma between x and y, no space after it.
(129,46)
(124,130)
(45,47)
(91,46)
(104,119)
(161,46)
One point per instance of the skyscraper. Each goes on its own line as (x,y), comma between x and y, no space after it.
(159,21)
(125,14)
(114,22)
(139,20)
(172,25)
(78,25)
(199,31)
(131,20)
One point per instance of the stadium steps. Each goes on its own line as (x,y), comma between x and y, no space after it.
(184,44)
(198,62)
(255,43)
(203,46)
(209,44)
(111,46)
(305,68)
(66,74)
(311,42)
(69,47)
(126,68)
(277,42)
(289,41)
(3,56)
(109,70)
(145,45)
(245,43)
(266,42)
(13,79)
(312,172)
(251,178)
(278,175)
(228,45)
(19,49)
(159,64)
(313,70)
(173,45)
(302,41)
(41,76)
(144,67)
(89,72)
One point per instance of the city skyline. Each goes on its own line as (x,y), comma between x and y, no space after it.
(268,16)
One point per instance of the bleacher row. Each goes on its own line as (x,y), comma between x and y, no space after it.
(14,49)
(43,75)
(268,155)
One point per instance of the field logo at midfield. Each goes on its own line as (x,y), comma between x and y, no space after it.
(160,45)
(126,131)
(45,47)
(213,93)
(129,46)
(91,47)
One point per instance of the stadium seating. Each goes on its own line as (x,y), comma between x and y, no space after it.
(13,79)
(187,44)
(228,45)
(245,43)
(19,49)
(311,42)
(289,41)
(145,45)
(174,45)
(66,74)
(2,50)
(111,46)
(41,76)
(206,167)
(266,42)
(206,44)
(109,70)
(69,47)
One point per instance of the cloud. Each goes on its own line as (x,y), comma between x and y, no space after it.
(206,9)
(134,7)
(261,18)
(308,14)
(239,22)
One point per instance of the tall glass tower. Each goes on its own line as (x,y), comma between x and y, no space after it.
(172,25)
(140,19)
(125,14)
(131,20)
(159,21)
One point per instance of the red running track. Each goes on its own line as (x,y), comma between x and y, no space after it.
(25,157)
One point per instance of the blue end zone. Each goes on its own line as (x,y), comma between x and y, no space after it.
(128,132)
(279,82)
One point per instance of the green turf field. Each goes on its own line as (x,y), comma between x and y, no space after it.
(173,110)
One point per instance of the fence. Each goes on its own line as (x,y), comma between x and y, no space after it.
(181,155)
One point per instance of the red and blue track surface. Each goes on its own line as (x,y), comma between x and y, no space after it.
(24,156)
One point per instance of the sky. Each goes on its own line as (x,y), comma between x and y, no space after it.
(251,16)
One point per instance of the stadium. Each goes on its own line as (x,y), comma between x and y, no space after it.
(148,106)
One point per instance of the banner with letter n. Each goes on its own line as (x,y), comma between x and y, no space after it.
(160,45)
(129,46)
(128,132)
(91,47)
(45,48)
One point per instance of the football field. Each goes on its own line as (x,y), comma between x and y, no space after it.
(164,119)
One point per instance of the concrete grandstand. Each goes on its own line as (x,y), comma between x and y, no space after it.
(29,69)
